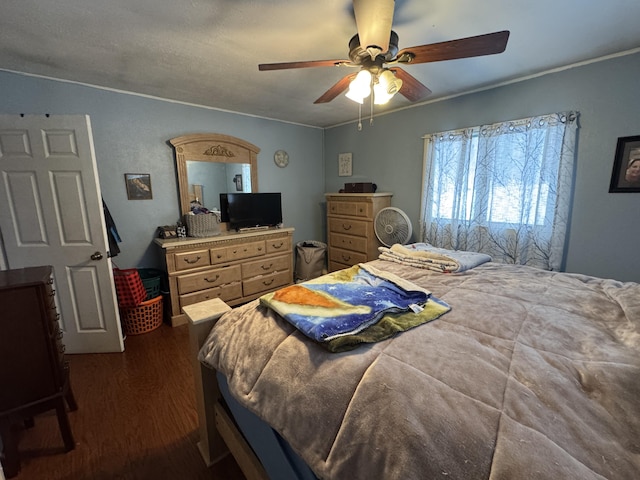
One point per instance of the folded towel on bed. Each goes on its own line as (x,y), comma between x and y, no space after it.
(347,302)
(423,255)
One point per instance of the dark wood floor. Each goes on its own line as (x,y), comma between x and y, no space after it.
(136,418)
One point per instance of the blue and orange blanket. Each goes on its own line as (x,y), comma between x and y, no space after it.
(357,305)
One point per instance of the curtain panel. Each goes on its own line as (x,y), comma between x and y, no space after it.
(503,189)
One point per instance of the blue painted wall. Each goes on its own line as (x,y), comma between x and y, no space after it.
(605,227)
(131,135)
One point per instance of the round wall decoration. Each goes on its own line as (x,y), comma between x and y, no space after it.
(281,158)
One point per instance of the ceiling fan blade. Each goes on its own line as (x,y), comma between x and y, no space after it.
(336,90)
(487,44)
(311,63)
(411,88)
(373,21)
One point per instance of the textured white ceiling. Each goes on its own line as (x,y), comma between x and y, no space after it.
(207,52)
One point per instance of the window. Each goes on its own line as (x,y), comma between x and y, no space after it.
(501,189)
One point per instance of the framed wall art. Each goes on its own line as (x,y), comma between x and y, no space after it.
(344,165)
(626,166)
(138,186)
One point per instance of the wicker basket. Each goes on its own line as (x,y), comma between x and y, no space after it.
(142,319)
(202,225)
(129,287)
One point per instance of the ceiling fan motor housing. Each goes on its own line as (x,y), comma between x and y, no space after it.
(359,55)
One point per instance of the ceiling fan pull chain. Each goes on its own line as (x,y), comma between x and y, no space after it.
(359,117)
(371,108)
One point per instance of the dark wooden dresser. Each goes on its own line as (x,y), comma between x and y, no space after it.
(34,376)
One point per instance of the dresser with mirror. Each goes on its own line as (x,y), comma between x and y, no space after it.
(234,266)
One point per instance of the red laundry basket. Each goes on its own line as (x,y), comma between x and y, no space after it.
(142,319)
(129,287)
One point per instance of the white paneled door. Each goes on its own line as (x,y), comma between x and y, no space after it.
(52,214)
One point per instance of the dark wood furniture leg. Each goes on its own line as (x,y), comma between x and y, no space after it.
(11,456)
(65,427)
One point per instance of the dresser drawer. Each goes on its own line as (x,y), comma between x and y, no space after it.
(265,283)
(348,242)
(354,209)
(209,279)
(347,257)
(225,293)
(246,250)
(218,255)
(279,245)
(333,266)
(187,260)
(266,265)
(352,227)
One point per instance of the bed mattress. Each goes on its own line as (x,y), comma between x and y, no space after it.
(532,374)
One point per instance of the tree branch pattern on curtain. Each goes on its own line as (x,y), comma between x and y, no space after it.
(503,189)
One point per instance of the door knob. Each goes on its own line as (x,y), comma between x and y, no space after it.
(96,256)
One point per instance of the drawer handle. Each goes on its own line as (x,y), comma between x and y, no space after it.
(50,281)
(59,334)
(259,249)
(346,227)
(266,284)
(273,245)
(52,293)
(346,258)
(219,256)
(193,261)
(264,267)
(211,281)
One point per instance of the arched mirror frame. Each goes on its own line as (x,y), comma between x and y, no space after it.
(211,147)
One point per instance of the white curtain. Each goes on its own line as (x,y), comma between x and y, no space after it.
(501,189)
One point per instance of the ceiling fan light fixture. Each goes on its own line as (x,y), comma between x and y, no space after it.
(386,86)
(380,96)
(360,87)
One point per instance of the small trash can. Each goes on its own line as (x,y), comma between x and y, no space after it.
(310,259)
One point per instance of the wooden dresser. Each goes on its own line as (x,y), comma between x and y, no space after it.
(34,376)
(235,267)
(350,234)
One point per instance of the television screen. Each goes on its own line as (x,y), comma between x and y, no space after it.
(250,210)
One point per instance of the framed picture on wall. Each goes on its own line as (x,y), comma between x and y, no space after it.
(138,186)
(344,165)
(626,166)
(238,181)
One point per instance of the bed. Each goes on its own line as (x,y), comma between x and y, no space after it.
(531,374)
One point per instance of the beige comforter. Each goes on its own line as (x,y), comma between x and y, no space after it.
(532,375)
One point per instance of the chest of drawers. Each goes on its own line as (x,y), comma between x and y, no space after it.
(235,267)
(34,376)
(350,235)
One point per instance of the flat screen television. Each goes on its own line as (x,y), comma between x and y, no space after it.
(251,210)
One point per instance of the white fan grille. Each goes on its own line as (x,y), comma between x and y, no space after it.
(392,225)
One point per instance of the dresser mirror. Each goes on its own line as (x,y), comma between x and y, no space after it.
(209,164)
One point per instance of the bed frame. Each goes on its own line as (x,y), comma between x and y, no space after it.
(219,434)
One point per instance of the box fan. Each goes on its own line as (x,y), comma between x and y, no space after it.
(391,225)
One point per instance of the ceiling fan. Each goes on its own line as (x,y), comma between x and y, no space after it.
(374,49)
